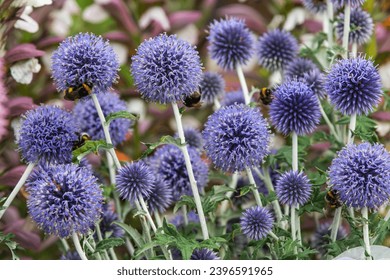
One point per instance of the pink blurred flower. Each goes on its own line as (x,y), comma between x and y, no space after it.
(3,99)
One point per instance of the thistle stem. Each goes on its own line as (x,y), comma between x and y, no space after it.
(65,244)
(158,219)
(148,216)
(293,227)
(268,183)
(244,86)
(354,50)
(77,245)
(329,10)
(329,123)
(145,226)
(366,237)
(273,235)
(100,238)
(217,104)
(190,172)
(351,129)
(347,19)
(17,188)
(294,151)
(232,185)
(255,190)
(335,224)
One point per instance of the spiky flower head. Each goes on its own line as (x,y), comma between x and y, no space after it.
(231,43)
(89,121)
(135,179)
(320,238)
(361,175)
(64,199)
(236,137)
(342,3)
(293,188)
(161,196)
(168,162)
(316,82)
(166,69)
(256,222)
(193,138)
(84,58)
(315,6)
(354,86)
(295,108)
(275,49)
(361,27)
(204,254)
(298,67)
(233,97)
(212,86)
(47,133)
(107,226)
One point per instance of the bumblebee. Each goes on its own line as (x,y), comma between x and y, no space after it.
(266,96)
(193,101)
(83,137)
(74,93)
(333,199)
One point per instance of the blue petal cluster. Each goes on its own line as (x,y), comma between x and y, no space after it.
(316,82)
(89,121)
(161,197)
(298,67)
(166,69)
(361,175)
(84,58)
(233,97)
(236,137)
(193,138)
(64,199)
(275,49)
(295,108)
(135,179)
(361,27)
(320,238)
(178,220)
(256,222)
(47,133)
(203,254)
(293,188)
(168,162)
(315,6)
(212,86)
(107,226)
(231,43)
(70,256)
(342,3)
(354,86)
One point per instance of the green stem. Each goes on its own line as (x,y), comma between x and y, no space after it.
(243,84)
(329,6)
(148,216)
(255,190)
(366,237)
(351,129)
(335,224)
(293,227)
(329,123)
(77,245)
(347,19)
(65,244)
(270,187)
(100,238)
(232,185)
(145,227)
(98,257)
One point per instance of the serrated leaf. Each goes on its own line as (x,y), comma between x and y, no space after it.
(133,233)
(246,189)
(167,139)
(108,243)
(343,120)
(121,115)
(185,200)
(90,146)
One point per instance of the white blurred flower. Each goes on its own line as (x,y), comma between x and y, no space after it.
(189,33)
(22,71)
(384,72)
(121,52)
(33,3)
(137,106)
(294,18)
(62,19)
(95,14)
(157,14)
(26,22)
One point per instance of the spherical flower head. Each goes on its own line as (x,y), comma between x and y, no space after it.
(204,254)
(168,162)
(295,108)
(320,238)
(89,121)
(84,59)
(361,27)
(135,179)
(107,226)
(316,82)
(47,133)
(256,222)
(212,86)
(233,97)
(231,43)
(236,137)
(342,3)
(166,69)
(64,199)
(361,175)
(354,86)
(70,256)
(275,49)
(293,188)
(298,67)
(315,6)
(193,138)
(161,197)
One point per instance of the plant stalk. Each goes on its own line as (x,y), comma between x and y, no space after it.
(77,245)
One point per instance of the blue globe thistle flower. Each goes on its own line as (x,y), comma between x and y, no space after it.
(178,220)
(70,256)
(204,254)
(47,133)
(319,238)
(361,27)
(354,86)
(168,162)
(361,175)
(256,222)
(298,67)
(135,179)
(64,199)
(342,3)
(231,43)
(84,58)
(316,82)
(295,108)
(161,196)
(89,122)
(212,86)
(293,188)
(275,49)
(107,226)
(193,138)
(236,137)
(233,97)
(166,69)
(315,6)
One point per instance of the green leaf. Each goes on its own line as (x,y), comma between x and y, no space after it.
(108,243)
(344,120)
(121,115)
(12,245)
(246,189)
(366,129)
(185,200)
(90,147)
(167,139)
(133,233)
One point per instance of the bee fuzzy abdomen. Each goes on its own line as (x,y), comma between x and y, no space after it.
(266,96)
(193,101)
(333,199)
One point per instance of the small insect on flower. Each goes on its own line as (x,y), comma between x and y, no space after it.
(77,92)
(83,137)
(193,101)
(266,95)
(332,197)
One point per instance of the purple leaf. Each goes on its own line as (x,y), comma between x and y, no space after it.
(19,105)
(22,52)
(182,18)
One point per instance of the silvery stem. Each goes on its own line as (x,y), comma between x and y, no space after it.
(329,6)
(243,84)
(347,19)
(335,224)
(255,190)
(366,237)
(77,245)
